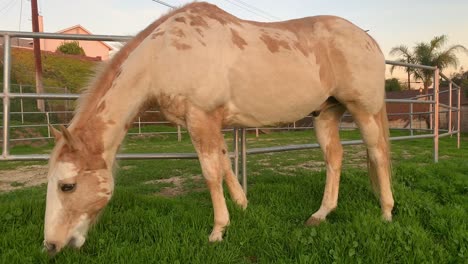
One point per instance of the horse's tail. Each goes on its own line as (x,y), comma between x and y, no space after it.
(384,144)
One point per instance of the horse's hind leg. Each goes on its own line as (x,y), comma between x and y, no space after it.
(205,132)
(375,133)
(327,131)
(234,187)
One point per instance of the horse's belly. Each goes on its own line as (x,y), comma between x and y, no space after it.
(273,106)
(269,88)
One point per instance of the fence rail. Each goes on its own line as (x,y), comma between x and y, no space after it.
(240,149)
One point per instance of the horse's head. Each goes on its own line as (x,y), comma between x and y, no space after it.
(79,186)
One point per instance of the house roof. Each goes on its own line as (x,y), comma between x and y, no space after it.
(64,31)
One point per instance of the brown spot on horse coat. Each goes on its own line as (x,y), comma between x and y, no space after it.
(203,43)
(274,45)
(155,35)
(215,13)
(301,48)
(200,32)
(342,68)
(173,108)
(101,107)
(198,21)
(237,39)
(88,146)
(178,32)
(180,20)
(180,46)
(204,128)
(325,71)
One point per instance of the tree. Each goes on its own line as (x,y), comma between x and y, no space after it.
(431,54)
(72,48)
(406,56)
(460,78)
(392,85)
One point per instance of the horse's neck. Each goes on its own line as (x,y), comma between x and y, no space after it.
(103,125)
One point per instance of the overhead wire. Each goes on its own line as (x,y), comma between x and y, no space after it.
(8,6)
(257,9)
(249,10)
(240,4)
(20,15)
(164,4)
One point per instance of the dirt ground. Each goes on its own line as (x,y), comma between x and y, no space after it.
(177,185)
(23,177)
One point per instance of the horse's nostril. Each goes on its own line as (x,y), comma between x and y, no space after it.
(50,247)
(72,242)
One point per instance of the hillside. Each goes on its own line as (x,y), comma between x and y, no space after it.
(59,70)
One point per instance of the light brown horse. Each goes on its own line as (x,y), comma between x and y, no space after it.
(206,69)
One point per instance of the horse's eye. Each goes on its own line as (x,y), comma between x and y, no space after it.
(67,187)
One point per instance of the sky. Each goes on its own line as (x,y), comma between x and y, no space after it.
(391,23)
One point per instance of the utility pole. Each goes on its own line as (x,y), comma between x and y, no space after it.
(37,55)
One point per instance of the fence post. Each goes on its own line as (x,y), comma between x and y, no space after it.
(139,126)
(244,159)
(179,134)
(21,104)
(6,94)
(436,115)
(450,109)
(431,115)
(236,152)
(459,117)
(67,105)
(48,124)
(411,119)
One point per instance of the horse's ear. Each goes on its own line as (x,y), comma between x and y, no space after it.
(71,142)
(57,135)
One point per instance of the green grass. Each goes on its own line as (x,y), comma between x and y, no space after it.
(141,226)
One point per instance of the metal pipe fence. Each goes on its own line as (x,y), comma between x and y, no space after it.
(239,135)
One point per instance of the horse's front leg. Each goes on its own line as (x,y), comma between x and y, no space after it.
(205,132)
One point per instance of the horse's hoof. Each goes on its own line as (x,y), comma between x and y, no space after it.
(314,221)
(242,203)
(387,217)
(216,237)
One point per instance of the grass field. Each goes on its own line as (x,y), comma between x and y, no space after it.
(161,211)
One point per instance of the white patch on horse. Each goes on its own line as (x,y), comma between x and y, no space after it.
(79,232)
(64,170)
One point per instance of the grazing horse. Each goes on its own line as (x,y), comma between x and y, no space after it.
(206,69)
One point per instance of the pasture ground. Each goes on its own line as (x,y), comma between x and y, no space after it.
(161,211)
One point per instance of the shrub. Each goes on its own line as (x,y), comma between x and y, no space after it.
(71,48)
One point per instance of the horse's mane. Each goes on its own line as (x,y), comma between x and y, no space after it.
(107,72)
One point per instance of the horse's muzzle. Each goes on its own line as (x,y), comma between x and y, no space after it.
(51,248)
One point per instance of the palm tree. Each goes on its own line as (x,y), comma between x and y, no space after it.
(431,54)
(406,56)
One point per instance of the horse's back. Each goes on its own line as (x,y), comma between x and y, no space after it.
(264,72)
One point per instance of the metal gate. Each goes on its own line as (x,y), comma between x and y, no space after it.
(240,151)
